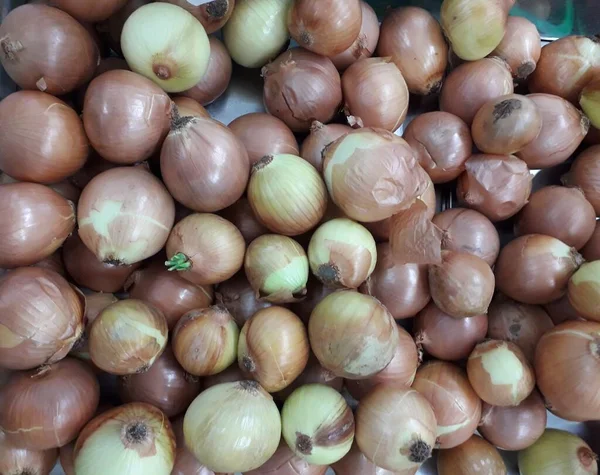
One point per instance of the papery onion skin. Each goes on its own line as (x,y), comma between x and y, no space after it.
(212,14)
(414,40)
(42,139)
(263,134)
(35,222)
(514,428)
(535,269)
(89,11)
(319,137)
(471,458)
(47,49)
(47,407)
(301,87)
(585,173)
(18,461)
(237,295)
(497,186)
(590,101)
(356,463)
(125,215)
(584,291)
(591,251)
(521,46)
(285,462)
(243,217)
(188,107)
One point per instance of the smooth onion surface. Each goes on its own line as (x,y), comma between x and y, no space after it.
(89,11)
(591,251)
(585,173)
(521,46)
(187,106)
(14,460)
(473,457)
(320,136)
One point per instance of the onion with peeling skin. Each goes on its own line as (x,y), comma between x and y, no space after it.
(473,457)
(188,107)
(19,461)
(285,462)
(212,14)
(521,46)
(318,139)
(591,251)
(238,296)
(585,173)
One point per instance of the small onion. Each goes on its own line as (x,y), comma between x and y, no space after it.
(456,405)
(395,428)
(319,137)
(188,107)
(185,462)
(45,48)
(213,433)
(590,101)
(136,439)
(237,295)
(474,457)
(285,462)
(412,37)
(262,134)
(18,461)
(521,46)
(317,424)
(205,341)
(47,407)
(34,223)
(127,337)
(500,373)
(514,428)
(243,217)
(355,463)
(591,251)
(585,174)
(212,14)
(496,185)
(536,269)
(301,87)
(352,335)
(584,291)
(125,215)
(205,249)
(314,373)
(561,310)
(315,292)
(468,87)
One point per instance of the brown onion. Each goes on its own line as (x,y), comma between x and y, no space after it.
(94,165)
(561,310)
(320,136)
(584,291)
(585,173)
(89,11)
(590,103)
(96,302)
(566,66)
(560,212)
(285,462)
(203,164)
(185,462)
(125,215)
(230,375)
(521,46)
(591,251)
(188,107)
(468,87)
(42,138)
(356,463)
(593,136)
(566,359)
(301,86)
(514,428)
(47,407)
(262,134)
(474,457)
(237,295)
(35,222)
(315,292)
(18,461)
(111,28)
(442,144)
(413,38)
(462,285)
(563,129)
(496,185)
(212,14)
(243,217)
(167,291)
(535,269)
(45,48)
(53,262)
(125,116)
(165,385)
(326,27)
(457,408)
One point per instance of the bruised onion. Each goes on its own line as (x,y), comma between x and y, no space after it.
(585,174)
(189,107)
(584,291)
(237,295)
(535,269)
(213,14)
(590,101)
(591,251)
(301,87)
(45,48)
(473,457)
(412,37)
(285,462)
(35,221)
(356,463)
(521,46)
(320,136)
(14,460)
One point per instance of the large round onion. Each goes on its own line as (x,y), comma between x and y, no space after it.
(18,461)
(521,46)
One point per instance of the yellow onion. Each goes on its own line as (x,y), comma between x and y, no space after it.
(286,462)
(584,291)
(474,457)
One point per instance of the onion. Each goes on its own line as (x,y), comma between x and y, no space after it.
(125,215)
(566,66)
(262,134)
(42,138)
(47,407)
(589,101)
(561,310)
(212,14)
(67,190)
(317,424)
(500,373)
(257,31)
(468,87)
(326,27)
(560,212)
(412,37)
(473,457)
(239,298)
(372,174)
(204,166)
(54,263)
(591,251)
(395,428)
(136,439)
(230,375)
(301,87)
(314,373)
(584,291)
(165,385)
(456,406)
(35,222)
(126,116)
(94,165)
(96,302)
(189,107)
(352,335)
(442,144)
(90,11)
(14,460)
(355,463)
(213,433)
(563,129)
(243,217)
(521,46)
(185,462)
(558,452)
(496,185)
(285,462)
(45,48)
(315,292)
(535,269)
(514,428)
(585,173)
(112,28)
(320,136)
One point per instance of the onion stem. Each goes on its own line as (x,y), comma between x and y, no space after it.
(178,262)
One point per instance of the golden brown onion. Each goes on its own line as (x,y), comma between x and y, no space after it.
(473,457)
(591,251)
(320,136)
(212,14)
(189,107)
(285,462)
(585,173)
(14,460)
(584,291)
(521,46)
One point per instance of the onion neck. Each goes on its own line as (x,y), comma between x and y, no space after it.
(586,457)
(135,433)
(179,262)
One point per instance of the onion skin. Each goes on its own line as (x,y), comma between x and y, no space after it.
(591,251)
(585,173)
(212,14)
(471,458)
(35,222)
(319,137)
(356,463)
(285,462)
(589,101)
(521,46)
(561,310)
(584,290)
(42,138)
(15,460)
(47,49)
(46,408)
(188,107)
(185,462)
(89,11)
(413,38)
(237,295)
(514,428)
